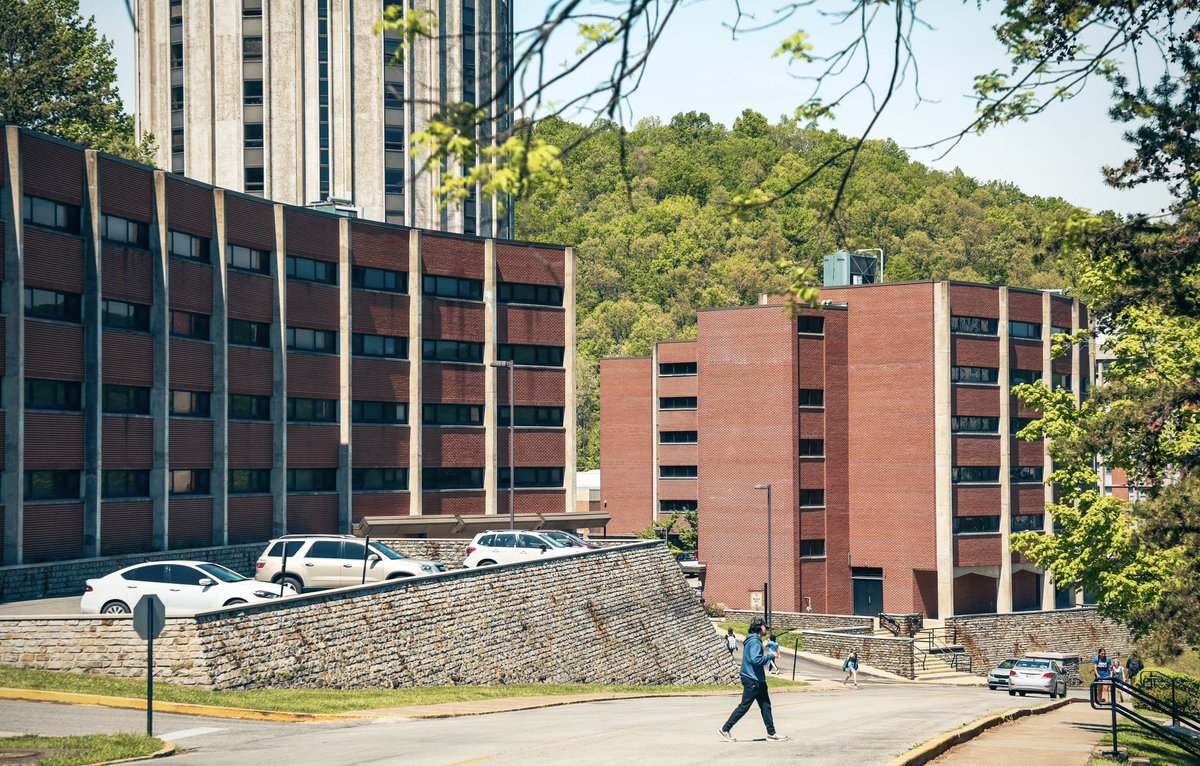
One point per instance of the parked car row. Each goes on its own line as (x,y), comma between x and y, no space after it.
(1029,675)
(512,546)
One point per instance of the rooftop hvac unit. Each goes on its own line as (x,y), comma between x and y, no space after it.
(844,268)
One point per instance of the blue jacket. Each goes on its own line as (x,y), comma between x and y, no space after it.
(754,658)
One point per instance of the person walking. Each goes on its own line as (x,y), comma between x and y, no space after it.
(754,685)
(1134,666)
(773,648)
(851,668)
(1103,668)
(1118,674)
(730,642)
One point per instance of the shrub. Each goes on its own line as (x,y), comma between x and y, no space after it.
(1157,683)
(715,610)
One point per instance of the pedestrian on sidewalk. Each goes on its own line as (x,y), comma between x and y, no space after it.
(1118,674)
(773,648)
(1134,666)
(1103,667)
(851,668)
(754,684)
(730,642)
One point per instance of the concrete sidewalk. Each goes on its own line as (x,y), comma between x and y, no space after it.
(1063,737)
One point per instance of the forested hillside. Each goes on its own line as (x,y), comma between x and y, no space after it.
(654,251)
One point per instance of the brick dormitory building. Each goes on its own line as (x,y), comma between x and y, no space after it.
(883,424)
(188,366)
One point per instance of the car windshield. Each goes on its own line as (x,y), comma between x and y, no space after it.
(1036,664)
(1007,664)
(561,537)
(220,573)
(687,556)
(387,552)
(551,541)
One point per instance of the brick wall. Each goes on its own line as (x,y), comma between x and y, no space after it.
(626,434)
(894,655)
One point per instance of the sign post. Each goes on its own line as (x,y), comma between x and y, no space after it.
(149,617)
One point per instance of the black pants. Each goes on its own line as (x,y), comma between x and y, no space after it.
(752,691)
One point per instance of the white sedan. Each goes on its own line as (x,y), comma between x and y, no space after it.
(185,587)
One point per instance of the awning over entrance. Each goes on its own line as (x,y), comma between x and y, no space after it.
(452,526)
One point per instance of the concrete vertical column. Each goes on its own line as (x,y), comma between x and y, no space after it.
(569,363)
(160,390)
(218,257)
(416,294)
(93,373)
(943,449)
(654,504)
(345,482)
(14,350)
(1076,389)
(1048,589)
(279,388)
(1004,589)
(492,401)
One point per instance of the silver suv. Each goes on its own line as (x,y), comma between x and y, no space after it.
(335,561)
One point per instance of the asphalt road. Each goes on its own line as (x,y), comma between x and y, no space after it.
(66,605)
(861,727)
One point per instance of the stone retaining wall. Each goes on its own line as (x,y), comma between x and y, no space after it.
(894,655)
(617,615)
(806,620)
(991,638)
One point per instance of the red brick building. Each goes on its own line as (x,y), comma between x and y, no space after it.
(188,366)
(883,425)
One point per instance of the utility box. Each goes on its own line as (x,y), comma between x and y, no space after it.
(844,268)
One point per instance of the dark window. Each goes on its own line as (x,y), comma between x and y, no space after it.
(393,183)
(248,259)
(380,479)
(677,402)
(122,231)
(53,394)
(1060,380)
(812,448)
(190,403)
(528,415)
(540,295)
(452,478)
(975,524)
(312,480)
(677,437)
(541,356)
(52,485)
(1056,330)
(50,214)
(379,412)
(119,315)
(393,135)
(252,50)
(185,324)
(252,135)
(243,333)
(453,287)
(325,549)
(1028,522)
(452,414)
(1026,473)
(149,573)
(676,506)
(51,304)
(532,477)
(312,410)
(252,7)
(252,92)
(387,346)
(188,246)
(671,369)
(126,400)
(812,549)
(974,375)
(189,481)
(368,278)
(124,483)
(292,546)
(1017,424)
(809,325)
(970,424)
(1016,377)
(451,351)
(677,472)
(249,481)
(812,498)
(249,407)
(812,397)
(309,270)
(974,325)
(974,474)
(308,339)
(1026,330)
(254,180)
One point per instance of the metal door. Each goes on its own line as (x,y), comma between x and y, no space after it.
(868,590)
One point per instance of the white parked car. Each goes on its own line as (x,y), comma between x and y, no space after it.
(185,587)
(512,547)
(1037,676)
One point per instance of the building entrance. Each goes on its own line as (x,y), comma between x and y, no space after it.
(868,590)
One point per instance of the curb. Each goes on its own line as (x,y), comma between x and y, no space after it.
(168,750)
(927,751)
(182,708)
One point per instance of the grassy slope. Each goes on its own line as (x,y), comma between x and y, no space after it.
(79,751)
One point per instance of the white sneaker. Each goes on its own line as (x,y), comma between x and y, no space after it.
(777,737)
(726,735)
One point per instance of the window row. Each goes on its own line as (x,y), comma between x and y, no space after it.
(677,437)
(677,506)
(990,474)
(974,424)
(1022,522)
(677,472)
(677,402)
(676,369)
(969,325)
(991,376)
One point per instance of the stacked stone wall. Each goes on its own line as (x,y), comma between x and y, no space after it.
(894,655)
(806,620)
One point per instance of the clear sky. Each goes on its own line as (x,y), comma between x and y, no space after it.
(699,66)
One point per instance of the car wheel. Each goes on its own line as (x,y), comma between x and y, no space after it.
(235,602)
(114,607)
(294,583)
(1012,693)
(485,563)
(991,688)
(1021,693)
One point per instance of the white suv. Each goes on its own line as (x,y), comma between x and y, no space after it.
(335,561)
(512,546)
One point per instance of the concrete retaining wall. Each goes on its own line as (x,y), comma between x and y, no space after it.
(894,655)
(805,620)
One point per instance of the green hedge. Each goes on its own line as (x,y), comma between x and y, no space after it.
(1187,688)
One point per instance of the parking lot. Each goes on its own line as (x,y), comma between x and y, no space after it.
(65,605)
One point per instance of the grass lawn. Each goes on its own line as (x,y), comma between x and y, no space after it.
(1187,662)
(79,751)
(786,640)
(317,700)
(1144,744)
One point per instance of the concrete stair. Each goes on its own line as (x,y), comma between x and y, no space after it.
(935,664)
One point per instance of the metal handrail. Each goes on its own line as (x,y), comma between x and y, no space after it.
(1178,718)
(889,622)
(956,655)
(1187,688)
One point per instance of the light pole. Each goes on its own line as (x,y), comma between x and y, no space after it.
(512,425)
(770,584)
(875,250)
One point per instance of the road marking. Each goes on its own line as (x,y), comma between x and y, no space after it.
(185,733)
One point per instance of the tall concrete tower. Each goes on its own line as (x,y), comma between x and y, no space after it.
(298,100)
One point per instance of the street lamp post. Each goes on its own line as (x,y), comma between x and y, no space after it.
(512,470)
(770,585)
(875,250)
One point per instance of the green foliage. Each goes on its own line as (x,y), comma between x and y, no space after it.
(408,26)
(85,749)
(57,75)
(688,535)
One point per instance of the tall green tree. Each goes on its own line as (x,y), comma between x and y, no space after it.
(58,75)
